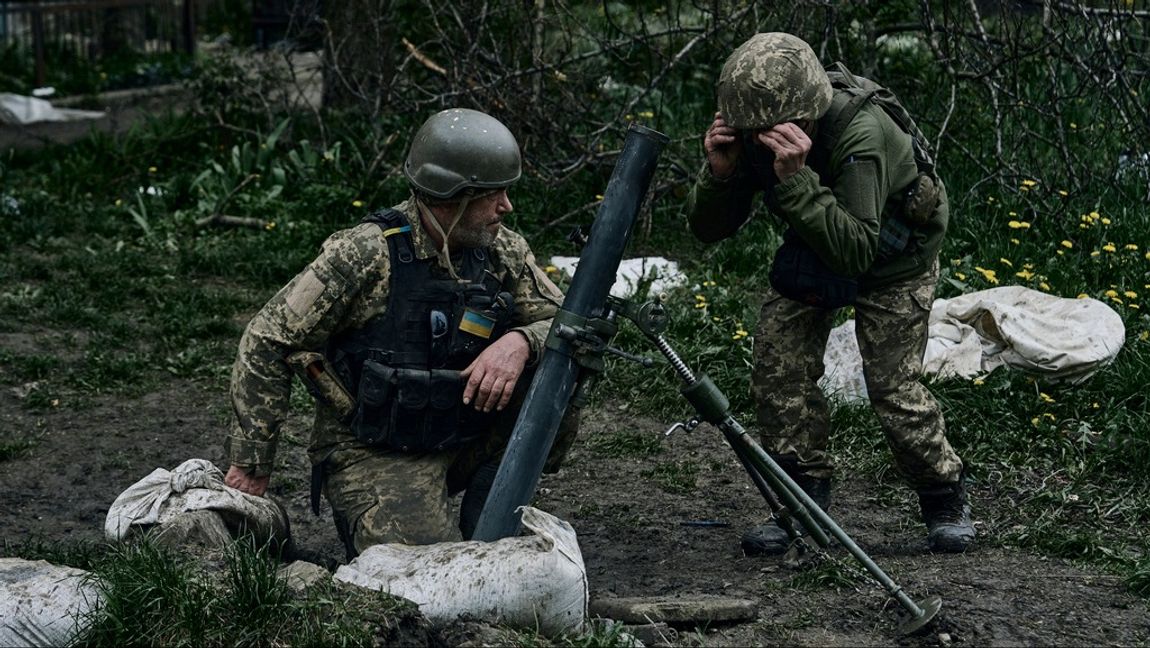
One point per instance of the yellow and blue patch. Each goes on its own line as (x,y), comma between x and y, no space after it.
(477,324)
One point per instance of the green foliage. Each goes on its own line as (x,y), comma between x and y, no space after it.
(676,476)
(154,597)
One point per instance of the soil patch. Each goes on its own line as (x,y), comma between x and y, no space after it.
(662,522)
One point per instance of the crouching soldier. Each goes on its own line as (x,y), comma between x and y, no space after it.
(416,330)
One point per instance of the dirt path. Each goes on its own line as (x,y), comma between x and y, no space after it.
(630,528)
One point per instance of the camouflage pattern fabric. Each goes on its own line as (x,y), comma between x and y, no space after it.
(401,497)
(380,496)
(891,328)
(770,79)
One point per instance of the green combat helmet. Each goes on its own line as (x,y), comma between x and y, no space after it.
(459,149)
(770,79)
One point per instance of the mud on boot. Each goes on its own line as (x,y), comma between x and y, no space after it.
(770,539)
(946,512)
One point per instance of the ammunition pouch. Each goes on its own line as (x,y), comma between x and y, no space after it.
(799,274)
(921,200)
(414,410)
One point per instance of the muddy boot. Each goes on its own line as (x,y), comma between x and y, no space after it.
(946,513)
(770,539)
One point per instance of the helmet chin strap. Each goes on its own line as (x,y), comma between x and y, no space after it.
(444,248)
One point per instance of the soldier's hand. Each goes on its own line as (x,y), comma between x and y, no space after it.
(239,479)
(790,145)
(492,376)
(722,146)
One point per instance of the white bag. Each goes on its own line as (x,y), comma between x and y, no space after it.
(195,485)
(42,604)
(537,582)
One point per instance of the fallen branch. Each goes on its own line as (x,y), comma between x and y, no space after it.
(224,220)
(423,58)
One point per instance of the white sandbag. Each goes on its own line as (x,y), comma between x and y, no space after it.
(1055,338)
(662,273)
(42,604)
(195,485)
(537,582)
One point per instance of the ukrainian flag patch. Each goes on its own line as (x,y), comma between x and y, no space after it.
(477,324)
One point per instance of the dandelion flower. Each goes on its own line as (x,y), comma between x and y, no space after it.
(1029,183)
(1025,274)
(1067,244)
(1109,247)
(1045,397)
(1095,253)
(1083,296)
(960,276)
(1111,293)
(1006,262)
(270,225)
(1130,247)
(1131,294)
(1045,286)
(1105,221)
(152,169)
(549,269)
(357,203)
(989,275)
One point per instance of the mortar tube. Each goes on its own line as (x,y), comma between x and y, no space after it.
(558,372)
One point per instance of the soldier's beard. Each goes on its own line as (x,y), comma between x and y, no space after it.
(471,235)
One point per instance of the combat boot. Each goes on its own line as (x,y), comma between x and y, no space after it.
(946,512)
(770,539)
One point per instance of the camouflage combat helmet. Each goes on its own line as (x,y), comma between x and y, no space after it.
(459,149)
(770,79)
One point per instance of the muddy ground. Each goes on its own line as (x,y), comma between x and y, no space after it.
(631,531)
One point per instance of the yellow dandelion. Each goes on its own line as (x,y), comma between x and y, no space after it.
(708,283)
(1073,126)
(646,114)
(979,382)
(1013,213)
(960,276)
(357,203)
(1134,306)
(1067,244)
(715,319)
(1015,241)
(550,269)
(1144,335)
(700,298)
(1130,247)
(1014,224)
(1095,405)
(1006,262)
(1083,226)
(152,169)
(1025,274)
(1105,221)
(599,197)
(1083,296)
(270,225)
(1045,397)
(1029,183)
(1130,294)
(1109,247)
(700,304)
(1034,421)
(989,275)
(1063,193)
(1147,255)
(1095,253)
(1048,415)
(1094,215)
(1111,293)
(1116,300)
(1045,286)
(990,199)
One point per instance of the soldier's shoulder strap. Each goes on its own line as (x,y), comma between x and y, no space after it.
(858,91)
(394,224)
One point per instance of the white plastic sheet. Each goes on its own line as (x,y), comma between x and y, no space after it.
(19,109)
(42,604)
(1055,338)
(537,581)
(662,273)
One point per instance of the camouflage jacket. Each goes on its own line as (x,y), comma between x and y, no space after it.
(835,205)
(344,287)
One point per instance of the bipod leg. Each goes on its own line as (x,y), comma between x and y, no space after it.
(919,615)
(782,516)
(714,408)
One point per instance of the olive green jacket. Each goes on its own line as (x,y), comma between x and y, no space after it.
(344,287)
(836,203)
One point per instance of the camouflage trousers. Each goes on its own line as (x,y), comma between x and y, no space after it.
(380,495)
(891,329)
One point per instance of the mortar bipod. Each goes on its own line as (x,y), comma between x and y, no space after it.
(771,480)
